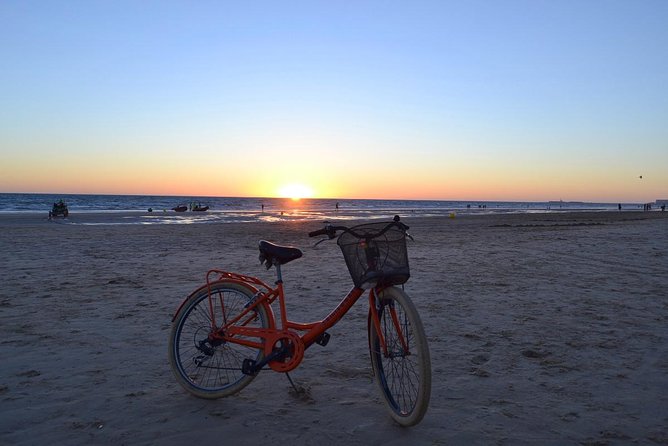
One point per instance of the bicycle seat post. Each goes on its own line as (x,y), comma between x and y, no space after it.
(279,276)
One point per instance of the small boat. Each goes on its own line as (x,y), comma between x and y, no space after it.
(59,210)
(180,208)
(197,207)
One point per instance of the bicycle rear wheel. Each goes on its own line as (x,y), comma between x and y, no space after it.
(403,370)
(213,369)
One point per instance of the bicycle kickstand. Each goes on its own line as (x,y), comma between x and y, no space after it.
(292,383)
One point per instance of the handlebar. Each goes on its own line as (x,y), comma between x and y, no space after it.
(330,230)
(324,231)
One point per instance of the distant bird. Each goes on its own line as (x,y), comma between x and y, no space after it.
(640,177)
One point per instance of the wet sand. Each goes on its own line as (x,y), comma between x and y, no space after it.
(543,329)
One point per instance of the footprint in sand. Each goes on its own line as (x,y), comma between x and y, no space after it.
(477,361)
(535,354)
(480,359)
(477,371)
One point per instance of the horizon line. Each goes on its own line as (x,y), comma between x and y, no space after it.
(330,198)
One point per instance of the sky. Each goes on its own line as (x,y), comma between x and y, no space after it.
(453,100)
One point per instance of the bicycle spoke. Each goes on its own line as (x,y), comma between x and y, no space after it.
(213,368)
(403,371)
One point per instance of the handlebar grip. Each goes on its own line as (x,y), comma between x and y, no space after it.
(317,233)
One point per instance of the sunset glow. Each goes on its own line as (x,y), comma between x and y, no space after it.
(295,192)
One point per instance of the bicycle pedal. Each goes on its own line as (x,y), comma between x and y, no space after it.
(249,367)
(323,339)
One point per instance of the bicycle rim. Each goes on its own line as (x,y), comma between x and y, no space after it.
(403,373)
(212,370)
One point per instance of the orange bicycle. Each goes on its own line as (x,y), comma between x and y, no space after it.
(225,332)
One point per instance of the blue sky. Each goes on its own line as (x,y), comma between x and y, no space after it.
(452,100)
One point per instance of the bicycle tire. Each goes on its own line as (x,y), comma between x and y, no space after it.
(217,374)
(404,378)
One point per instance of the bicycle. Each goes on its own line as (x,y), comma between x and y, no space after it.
(225,332)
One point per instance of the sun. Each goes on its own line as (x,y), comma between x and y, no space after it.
(295,191)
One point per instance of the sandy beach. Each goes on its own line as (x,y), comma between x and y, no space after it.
(546,329)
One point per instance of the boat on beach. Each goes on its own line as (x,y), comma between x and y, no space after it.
(197,207)
(193,206)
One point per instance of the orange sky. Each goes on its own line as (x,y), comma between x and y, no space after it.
(418,181)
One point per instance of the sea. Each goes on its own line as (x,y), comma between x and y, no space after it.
(158,209)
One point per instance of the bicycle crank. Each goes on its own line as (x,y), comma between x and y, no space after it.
(283,351)
(252,367)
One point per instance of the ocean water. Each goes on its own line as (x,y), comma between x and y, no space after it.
(235,209)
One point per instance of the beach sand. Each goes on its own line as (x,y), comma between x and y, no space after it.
(543,329)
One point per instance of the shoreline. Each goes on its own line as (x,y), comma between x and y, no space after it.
(228,217)
(275,209)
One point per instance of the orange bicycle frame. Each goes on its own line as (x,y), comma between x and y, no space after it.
(236,330)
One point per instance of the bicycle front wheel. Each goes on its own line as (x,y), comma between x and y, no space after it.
(213,369)
(402,367)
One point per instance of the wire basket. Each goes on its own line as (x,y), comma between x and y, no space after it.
(372,261)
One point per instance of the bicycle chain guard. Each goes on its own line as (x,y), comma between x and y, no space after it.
(293,346)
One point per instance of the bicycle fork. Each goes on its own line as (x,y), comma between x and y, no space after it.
(375,306)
